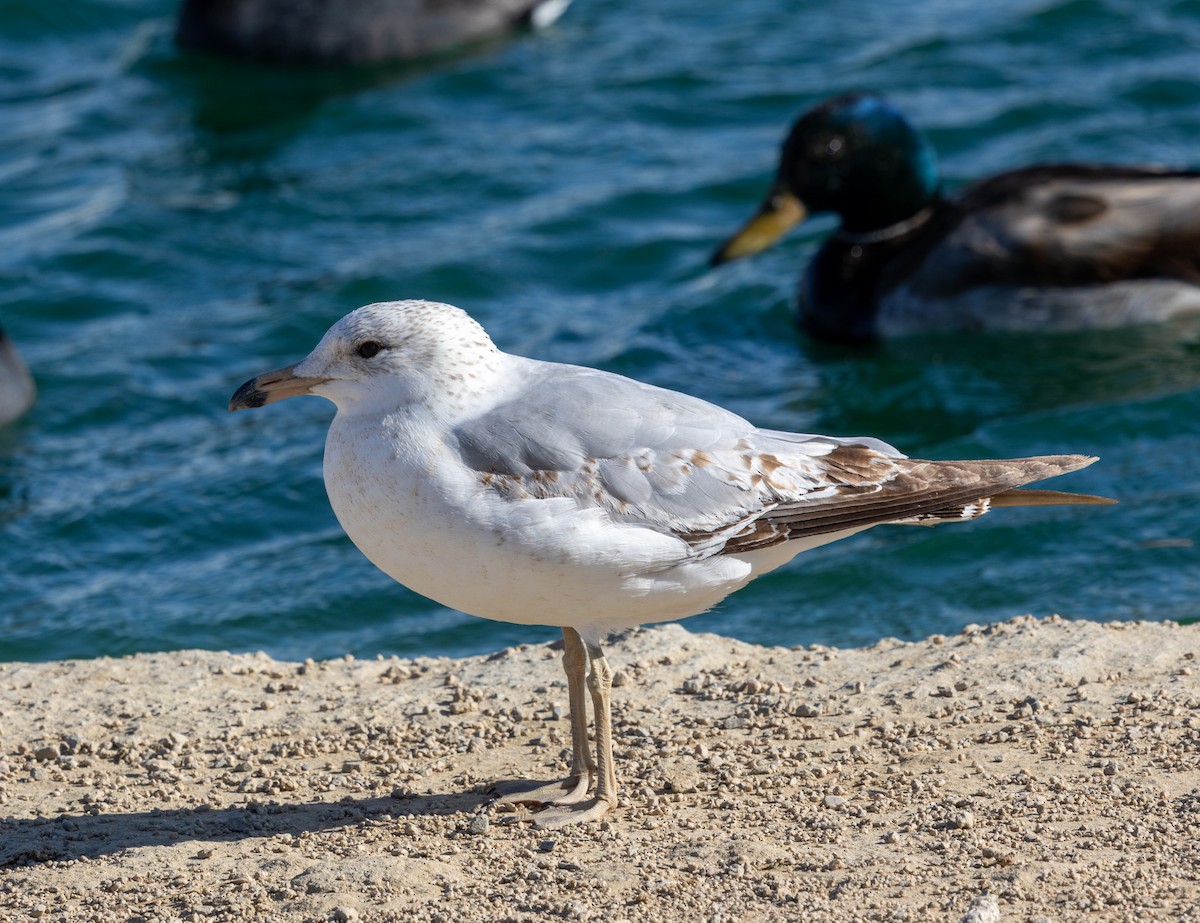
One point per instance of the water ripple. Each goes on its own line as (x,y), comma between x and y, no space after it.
(171,225)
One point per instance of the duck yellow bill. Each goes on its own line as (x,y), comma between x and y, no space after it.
(781,212)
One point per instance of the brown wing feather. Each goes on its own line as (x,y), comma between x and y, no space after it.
(911,490)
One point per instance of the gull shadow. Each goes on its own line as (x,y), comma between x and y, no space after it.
(28,841)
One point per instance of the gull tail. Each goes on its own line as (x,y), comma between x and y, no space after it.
(1025,497)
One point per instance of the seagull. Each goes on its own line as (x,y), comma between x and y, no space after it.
(545,494)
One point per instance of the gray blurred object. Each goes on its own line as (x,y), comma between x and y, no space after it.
(17,390)
(352,31)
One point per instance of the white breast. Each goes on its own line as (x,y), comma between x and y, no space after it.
(429,522)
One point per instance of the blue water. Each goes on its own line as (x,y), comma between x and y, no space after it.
(172,225)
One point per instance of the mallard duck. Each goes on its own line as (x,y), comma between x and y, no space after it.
(351,31)
(1048,247)
(16,384)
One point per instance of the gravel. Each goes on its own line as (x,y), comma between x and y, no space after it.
(1035,769)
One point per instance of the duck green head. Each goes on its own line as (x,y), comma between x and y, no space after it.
(856,156)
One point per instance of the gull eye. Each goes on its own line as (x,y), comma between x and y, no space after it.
(368,349)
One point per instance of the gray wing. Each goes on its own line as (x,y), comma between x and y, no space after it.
(1069,225)
(645,454)
(684,466)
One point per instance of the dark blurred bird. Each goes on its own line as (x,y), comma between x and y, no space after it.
(1048,247)
(16,384)
(351,31)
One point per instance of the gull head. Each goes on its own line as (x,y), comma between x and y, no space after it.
(385,356)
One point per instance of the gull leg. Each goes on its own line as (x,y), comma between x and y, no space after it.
(572,789)
(600,685)
(582,762)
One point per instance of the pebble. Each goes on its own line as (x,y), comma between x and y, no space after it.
(479,824)
(984,909)
(682,776)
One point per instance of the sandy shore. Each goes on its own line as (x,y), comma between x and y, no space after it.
(1032,770)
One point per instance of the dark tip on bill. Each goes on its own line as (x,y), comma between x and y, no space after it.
(247,396)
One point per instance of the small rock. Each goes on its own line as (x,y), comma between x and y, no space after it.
(478,825)
(984,909)
(344,914)
(45,754)
(964,820)
(682,776)
(547,845)
(833,801)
